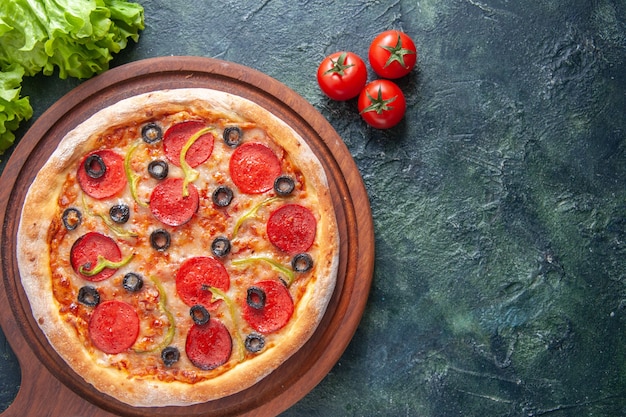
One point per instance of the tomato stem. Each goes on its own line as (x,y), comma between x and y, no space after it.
(339,66)
(378,104)
(397,53)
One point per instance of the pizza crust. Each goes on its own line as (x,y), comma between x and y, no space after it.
(40,207)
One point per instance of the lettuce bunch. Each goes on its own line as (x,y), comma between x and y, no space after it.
(13,109)
(77,38)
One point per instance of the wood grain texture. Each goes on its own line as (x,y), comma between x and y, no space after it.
(49,387)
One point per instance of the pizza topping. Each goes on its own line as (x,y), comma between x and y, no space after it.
(222,196)
(220,246)
(169,336)
(101,174)
(151,133)
(114,326)
(158,169)
(208,346)
(191,174)
(132,282)
(177,136)
(170,355)
(119,231)
(168,204)
(233,135)
(302,262)
(251,214)
(199,314)
(275,313)
(119,213)
(72,218)
(284,185)
(94,166)
(133,179)
(196,276)
(277,266)
(160,239)
(255,342)
(103,263)
(87,250)
(291,228)
(255,297)
(88,296)
(254,167)
(232,309)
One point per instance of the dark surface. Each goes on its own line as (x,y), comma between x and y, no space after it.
(499,204)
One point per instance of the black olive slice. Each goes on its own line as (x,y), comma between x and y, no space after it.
(222,196)
(170,355)
(255,298)
(233,136)
(71,218)
(220,246)
(151,133)
(88,296)
(302,262)
(160,239)
(255,342)
(120,213)
(95,166)
(199,314)
(158,169)
(132,282)
(284,185)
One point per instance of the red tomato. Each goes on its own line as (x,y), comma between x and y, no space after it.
(382,104)
(392,54)
(342,75)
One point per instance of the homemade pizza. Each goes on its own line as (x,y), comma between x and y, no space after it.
(178,246)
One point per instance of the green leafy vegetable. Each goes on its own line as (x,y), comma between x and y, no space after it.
(13,109)
(77,38)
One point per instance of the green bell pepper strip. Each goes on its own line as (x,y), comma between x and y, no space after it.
(169,336)
(220,295)
(132,179)
(107,221)
(104,263)
(251,213)
(289,273)
(190,174)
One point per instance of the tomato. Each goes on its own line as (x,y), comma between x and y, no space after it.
(382,104)
(392,54)
(342,75)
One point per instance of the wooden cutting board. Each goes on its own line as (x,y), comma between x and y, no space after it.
(49,387)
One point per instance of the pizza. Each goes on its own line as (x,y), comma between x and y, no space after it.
(178,246)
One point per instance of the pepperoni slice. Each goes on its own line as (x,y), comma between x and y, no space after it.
(291,228)
(177,136)
(104,176)
(276,311)
(196,276)
(254,167)
(85,251)
(208,345)
(114,326)
(168,204)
